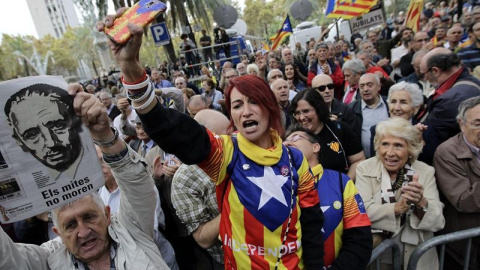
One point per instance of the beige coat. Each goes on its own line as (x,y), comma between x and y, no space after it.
(382,216)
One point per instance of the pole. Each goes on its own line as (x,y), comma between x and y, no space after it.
(336,27)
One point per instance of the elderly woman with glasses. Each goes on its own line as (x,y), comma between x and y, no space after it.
(342,149)
(399,192)
(404,101)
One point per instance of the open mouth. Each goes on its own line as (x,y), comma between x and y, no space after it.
(250,125)
(391,162)
(88,244)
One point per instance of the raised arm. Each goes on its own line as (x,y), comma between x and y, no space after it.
(130,172)
(174,132)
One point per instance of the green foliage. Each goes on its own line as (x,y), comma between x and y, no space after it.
(76,44)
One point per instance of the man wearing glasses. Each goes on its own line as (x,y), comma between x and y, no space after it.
(421,40)
(457,170)
(453,84)
(338,111)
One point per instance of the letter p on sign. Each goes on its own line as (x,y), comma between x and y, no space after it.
(160,34)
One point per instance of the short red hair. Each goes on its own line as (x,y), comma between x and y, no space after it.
(257,89)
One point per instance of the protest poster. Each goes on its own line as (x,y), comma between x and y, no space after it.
(47,157)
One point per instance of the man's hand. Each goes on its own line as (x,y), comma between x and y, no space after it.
(170,170)
(428,46)
(93,112)
(383,62)
(123,105)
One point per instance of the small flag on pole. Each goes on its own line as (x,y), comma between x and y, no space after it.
(282,33)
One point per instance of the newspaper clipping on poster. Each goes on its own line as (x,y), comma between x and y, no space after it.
(47,157)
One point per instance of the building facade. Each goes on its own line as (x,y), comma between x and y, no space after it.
(52,17)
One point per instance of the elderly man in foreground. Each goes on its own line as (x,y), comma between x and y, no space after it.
(457,169)
(91,239)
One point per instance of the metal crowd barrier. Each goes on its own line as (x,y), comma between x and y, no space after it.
(442,240)
(384,246)
(215,45)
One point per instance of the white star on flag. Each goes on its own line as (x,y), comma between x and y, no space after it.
(324,209)
(271,186)
(285,26)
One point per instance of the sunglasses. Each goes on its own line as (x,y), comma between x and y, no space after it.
(322,88)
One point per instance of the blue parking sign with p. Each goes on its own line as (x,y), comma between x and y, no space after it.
(160,34)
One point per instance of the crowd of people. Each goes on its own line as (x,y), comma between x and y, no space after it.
(304,157)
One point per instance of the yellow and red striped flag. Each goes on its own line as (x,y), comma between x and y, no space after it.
(414,11)
(347,9)
(282,33)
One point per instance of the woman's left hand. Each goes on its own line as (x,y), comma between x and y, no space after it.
(413,192)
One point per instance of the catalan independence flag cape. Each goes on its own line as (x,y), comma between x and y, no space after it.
(343,209)
(282,33)
(347,9)
(254,194)
(414,11)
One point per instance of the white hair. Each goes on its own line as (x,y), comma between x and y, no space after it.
(95,196)
(412,88)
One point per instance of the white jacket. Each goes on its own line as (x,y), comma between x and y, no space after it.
(131,228)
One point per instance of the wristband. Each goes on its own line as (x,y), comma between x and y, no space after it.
(109,142)
(141,96)
(147,103)
(138,86)
(144,75)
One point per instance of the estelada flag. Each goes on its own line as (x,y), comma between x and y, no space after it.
(282,33)
(347,9)
(414,11)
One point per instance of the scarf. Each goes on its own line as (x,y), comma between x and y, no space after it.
(389,190)
(446,85)
(265,157)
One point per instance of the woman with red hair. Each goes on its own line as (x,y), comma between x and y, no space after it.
(270,214)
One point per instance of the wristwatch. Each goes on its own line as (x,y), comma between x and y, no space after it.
(423,209)
(110,142)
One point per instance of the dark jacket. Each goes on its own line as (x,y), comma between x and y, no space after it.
(457,171)
(114,113)
(343,112)
(442,112)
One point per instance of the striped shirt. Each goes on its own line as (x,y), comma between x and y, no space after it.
(470,56)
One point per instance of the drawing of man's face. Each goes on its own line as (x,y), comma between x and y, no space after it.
(42,126)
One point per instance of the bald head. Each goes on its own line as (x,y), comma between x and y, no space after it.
(214,120)
(321,79)
(438,65)
(196,104)
(180,83)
